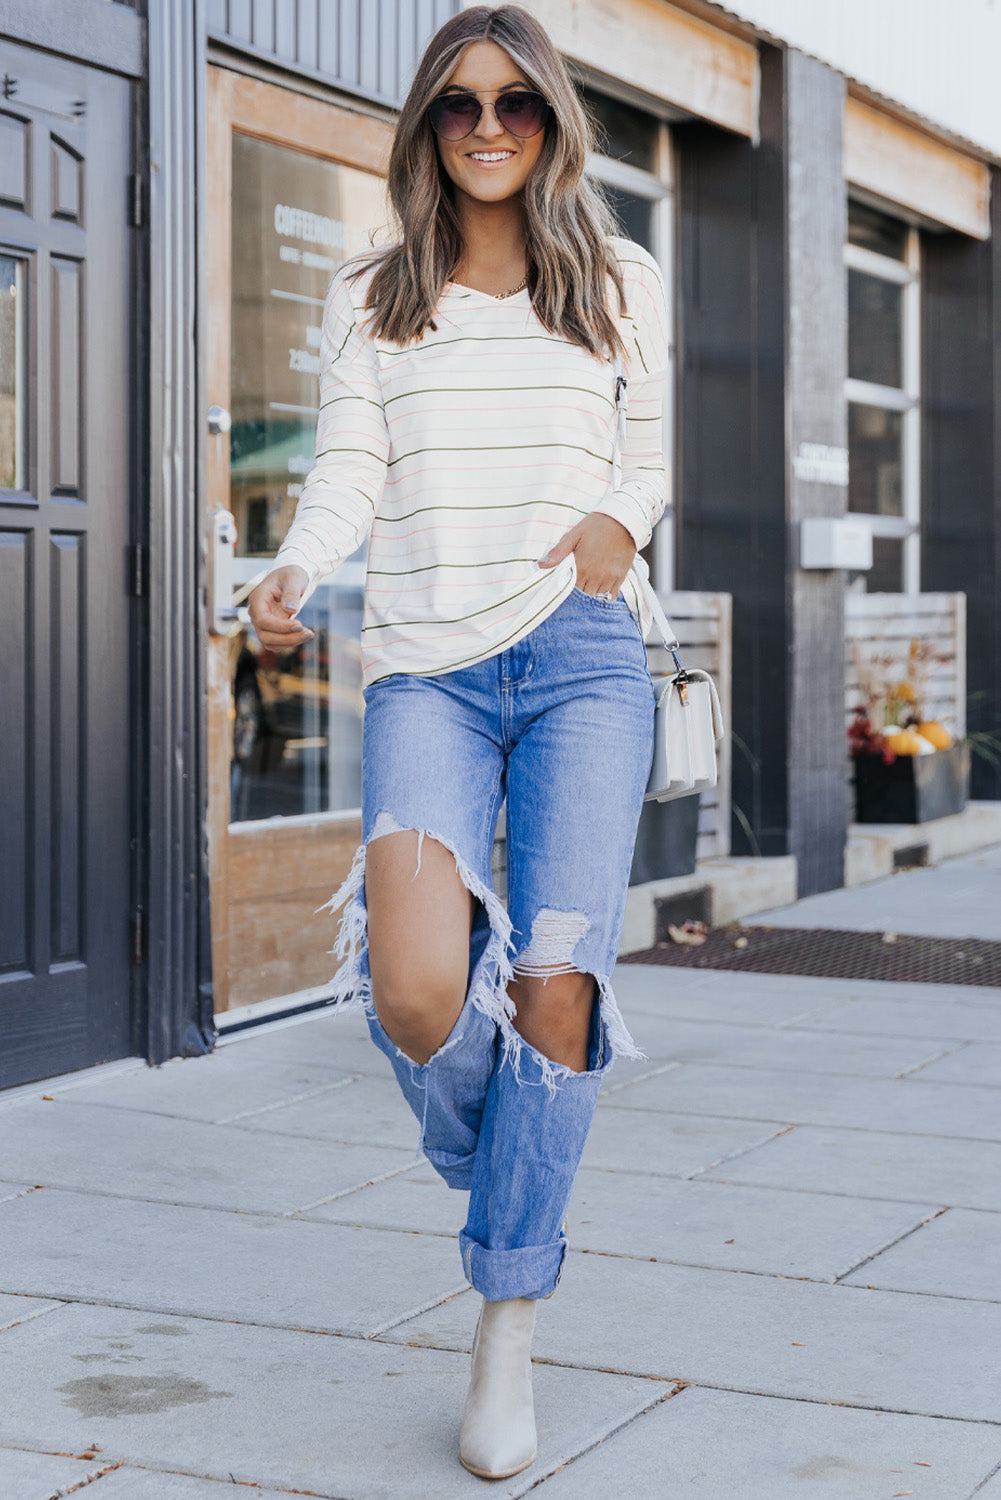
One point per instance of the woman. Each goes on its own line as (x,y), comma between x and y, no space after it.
(466,427)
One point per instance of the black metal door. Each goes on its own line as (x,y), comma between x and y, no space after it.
(65,335)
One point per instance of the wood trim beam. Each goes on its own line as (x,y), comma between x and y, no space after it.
(318,126)
(663,51)
(907,166)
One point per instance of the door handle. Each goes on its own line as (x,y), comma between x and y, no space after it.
(223,618)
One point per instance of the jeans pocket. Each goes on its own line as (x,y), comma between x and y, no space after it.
(600,603)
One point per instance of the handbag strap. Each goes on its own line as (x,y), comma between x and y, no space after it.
(646,588)
(660,619)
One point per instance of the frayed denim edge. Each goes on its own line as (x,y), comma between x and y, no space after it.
(353,990)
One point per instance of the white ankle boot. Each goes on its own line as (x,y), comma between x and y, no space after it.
(498,1423)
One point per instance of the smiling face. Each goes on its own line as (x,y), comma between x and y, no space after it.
(486,70)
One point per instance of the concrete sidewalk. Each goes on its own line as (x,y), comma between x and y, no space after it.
(784,1275)
(960,898)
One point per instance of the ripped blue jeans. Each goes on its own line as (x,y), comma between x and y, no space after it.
(561,724)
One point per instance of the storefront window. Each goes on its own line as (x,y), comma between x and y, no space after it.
(875,329)
(12,314)
(297,727)
(886,576)
(635,214)
(875,447)
(883,393)
(875,443)
(872,230)
(624,132)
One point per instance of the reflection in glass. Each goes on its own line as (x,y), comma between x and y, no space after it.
(875,460)
(295,220)
(624,132)
(12,313)
(875,329)
(634,214)
(876,231)
(297,717)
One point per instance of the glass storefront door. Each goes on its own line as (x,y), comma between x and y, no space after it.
(297,724)
(298,190)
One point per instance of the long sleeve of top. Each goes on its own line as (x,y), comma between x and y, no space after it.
(639,500)
(341,494)
(465,455)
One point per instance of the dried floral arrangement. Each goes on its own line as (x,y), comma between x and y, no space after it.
(891,720)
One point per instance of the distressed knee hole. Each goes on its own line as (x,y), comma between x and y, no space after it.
(386,823)
(550,949)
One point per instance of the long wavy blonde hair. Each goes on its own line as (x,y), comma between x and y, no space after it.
(566,216)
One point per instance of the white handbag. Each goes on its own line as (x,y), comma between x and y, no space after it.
(689,721)
(688,725)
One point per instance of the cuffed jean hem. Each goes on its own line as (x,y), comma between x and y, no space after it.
(528,1271)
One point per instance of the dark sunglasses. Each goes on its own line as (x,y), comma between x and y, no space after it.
(522,112)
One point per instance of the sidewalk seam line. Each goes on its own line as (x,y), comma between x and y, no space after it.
(911,1135)
(986,1480)
(408,1317)
(899,1239)
(568,1462)
(686,1383)
(40,1312)
(263,1109)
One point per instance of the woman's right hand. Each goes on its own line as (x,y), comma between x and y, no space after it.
(272,605)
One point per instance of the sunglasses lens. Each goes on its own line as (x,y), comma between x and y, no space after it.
(522,114)
(454,115)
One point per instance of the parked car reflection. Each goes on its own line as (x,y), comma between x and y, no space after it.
(296,716)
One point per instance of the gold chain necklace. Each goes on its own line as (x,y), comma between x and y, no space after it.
(501,295)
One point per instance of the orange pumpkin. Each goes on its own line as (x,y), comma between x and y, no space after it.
(903,742)
(936,735)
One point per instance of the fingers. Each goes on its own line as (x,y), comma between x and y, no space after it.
(272,606)
(284,639)
(603,554)
(562,548)
(599,585)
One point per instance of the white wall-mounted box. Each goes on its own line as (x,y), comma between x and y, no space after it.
(835,542)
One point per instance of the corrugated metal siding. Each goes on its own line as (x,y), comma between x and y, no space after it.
(369,46)
(938,60)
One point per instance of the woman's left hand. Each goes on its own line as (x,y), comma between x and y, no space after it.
(603,553)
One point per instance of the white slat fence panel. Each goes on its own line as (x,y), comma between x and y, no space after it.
(885,624)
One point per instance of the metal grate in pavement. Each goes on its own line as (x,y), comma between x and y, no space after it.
(834,954)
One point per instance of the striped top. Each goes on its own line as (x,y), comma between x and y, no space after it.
(465,456)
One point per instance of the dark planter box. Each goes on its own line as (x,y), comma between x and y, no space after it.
(913,788)
(665,840)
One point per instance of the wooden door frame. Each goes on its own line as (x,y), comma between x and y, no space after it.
(334,132)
